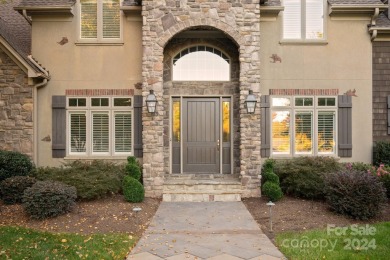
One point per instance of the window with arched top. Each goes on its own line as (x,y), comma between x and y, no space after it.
(201,63)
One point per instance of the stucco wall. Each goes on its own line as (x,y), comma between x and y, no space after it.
(16,106)
(74,66)
(343,63)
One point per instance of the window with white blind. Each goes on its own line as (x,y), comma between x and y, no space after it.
(100,20)
(303,20)
(303,126)
(100,126)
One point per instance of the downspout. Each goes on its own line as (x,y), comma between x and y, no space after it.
(373,23)
(24,12)
(46,78)
(374,34)
(35,119)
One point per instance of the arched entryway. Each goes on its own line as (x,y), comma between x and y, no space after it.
(201,93)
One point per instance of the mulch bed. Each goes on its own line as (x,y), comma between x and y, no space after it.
(292,214)
(112,214)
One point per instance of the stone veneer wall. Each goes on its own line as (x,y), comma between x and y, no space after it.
(163,19)
(381,89)
(16,106)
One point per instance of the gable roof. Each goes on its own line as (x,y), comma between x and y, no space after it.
(15,29)
(15,35)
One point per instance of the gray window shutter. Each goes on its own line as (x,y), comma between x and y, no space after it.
(138,126)
(265,150)
(345,126)
(388,115)
(58,126)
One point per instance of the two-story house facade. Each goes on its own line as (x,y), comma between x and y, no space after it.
(173,83)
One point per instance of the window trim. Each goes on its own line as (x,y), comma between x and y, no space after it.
(303,40)
(315,109)
(99,40)
(88,111)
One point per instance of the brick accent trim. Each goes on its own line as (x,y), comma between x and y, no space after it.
(304,92)
(99,92)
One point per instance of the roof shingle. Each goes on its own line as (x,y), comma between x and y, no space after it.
(32,3)
(15,29)
(132,2)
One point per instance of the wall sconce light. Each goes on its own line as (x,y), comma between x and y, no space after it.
(250,102)
(151,102)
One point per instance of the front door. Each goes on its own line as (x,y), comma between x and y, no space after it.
(201,135)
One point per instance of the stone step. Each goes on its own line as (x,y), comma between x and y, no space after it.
(200,197)
(203,188)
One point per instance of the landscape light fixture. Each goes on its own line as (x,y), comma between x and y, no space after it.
(270,204)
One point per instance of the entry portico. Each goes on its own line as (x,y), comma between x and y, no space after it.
(232,30)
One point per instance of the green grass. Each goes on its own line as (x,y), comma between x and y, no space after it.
(355,243)
(23,243)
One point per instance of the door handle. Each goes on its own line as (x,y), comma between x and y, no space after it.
(218,144)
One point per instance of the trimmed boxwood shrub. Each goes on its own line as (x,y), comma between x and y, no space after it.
(11,189)
(93,180)
(381,153)
(133,169)
(272,191)
(355,193)
(272,177)
(133,190)
(271,184)
(49,199)
(303,177)
(14,164)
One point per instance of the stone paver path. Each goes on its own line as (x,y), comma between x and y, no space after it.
(204,230)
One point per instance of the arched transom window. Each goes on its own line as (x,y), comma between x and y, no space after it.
(201,63)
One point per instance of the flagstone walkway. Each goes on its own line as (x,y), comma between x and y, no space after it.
(204,230)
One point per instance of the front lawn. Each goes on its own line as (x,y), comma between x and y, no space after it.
(25,243)
(359,241)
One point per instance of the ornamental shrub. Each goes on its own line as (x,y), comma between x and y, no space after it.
(268,166)
(356,194)
(272,191)
(11,189)
(133,168)
(47,199)
(272,177)
(303,177)
(14,164)
(93,180)
(133,190)
(385,179)
(133,171)
(270,182)
(381,153)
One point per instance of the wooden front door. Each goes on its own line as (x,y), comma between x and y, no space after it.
(201,135)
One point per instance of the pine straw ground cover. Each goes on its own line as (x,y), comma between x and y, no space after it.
(109,223)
